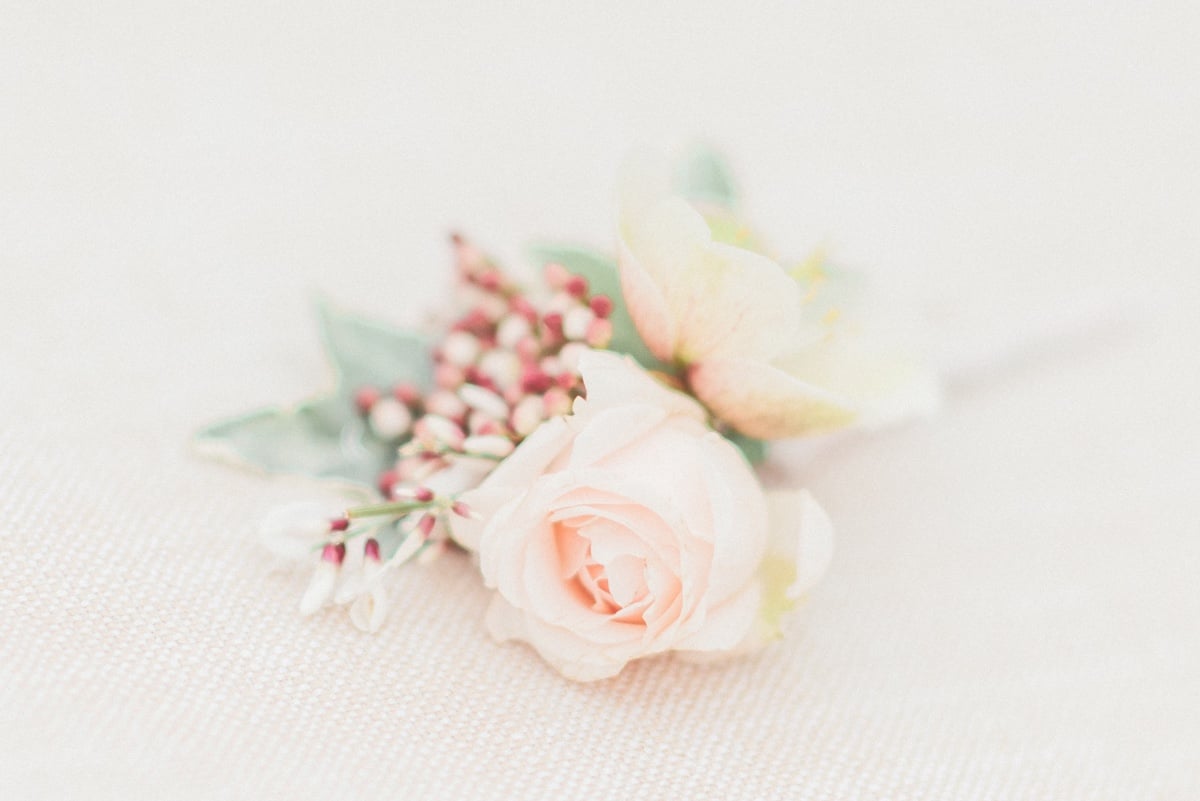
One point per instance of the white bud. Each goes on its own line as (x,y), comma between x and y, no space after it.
(320,587)
(460,348)
(440,429)
(528,414)
(576,322)
(570,355)
(489,445)
(293,530)
(483,400)
(369,610)
(389,418)
(503,367)
(445,403)
(513,328)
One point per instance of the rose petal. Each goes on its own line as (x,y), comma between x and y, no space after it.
(727,625)
(614,381)
(801,535)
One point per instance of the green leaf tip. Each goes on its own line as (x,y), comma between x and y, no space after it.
(705,176)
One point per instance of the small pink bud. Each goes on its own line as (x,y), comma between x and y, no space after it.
(339,524)
(479,423)
(602,305)
(491,280)
(475,321)
(521,305)
(387,482)
(553,322)
(600,332)
(407,394)
(447,404)
(528,349)
(534,380)
(556,402)
(462,510)
(409,467)
(425,526)
(556,275)
(333,552)
(448,376)
(365,398)
(371,550)
(576,285)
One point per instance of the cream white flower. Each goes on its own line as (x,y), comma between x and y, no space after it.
(763,348)
(630,528)
(369,610)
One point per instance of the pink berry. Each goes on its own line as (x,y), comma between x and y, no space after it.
(365,398)
(602,305)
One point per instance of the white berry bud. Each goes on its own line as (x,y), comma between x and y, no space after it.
(460,348)
(576,322)
(513,328)
(489,445)
(483,400)
(503,367)
(389,418)
(528,415)
(570,355)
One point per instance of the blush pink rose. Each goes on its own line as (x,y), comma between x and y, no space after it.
(631,528)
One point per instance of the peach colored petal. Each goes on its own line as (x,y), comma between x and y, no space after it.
(763,401)
(739,518)
(726,625)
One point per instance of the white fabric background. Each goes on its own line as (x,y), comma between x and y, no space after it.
(1013,611)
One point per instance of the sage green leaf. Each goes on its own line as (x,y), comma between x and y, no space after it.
(755,450)
(326,438)
(603,278)
(366,353)
(322,439)
(705,177)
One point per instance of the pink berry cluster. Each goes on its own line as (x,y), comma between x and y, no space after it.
(507,364)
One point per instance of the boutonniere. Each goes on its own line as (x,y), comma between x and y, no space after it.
(593,438)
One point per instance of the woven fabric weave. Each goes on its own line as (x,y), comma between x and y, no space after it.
(1012,609)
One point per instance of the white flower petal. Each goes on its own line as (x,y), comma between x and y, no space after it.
(320,587)
(801,536)
(612,380)
(369,610)
(292,531)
